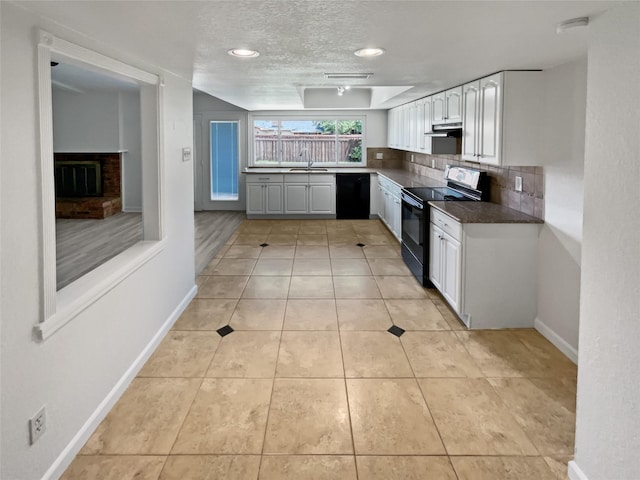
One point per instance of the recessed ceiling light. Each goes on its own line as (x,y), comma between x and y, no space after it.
(573,23)
(243,53)
(369,52)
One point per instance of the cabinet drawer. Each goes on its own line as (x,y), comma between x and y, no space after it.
(446,223)
(267,178)
(322,178)
(296,178)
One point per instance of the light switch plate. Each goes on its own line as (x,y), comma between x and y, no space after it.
(186,154)
(379,156)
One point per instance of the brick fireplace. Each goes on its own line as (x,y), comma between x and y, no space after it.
(88,184)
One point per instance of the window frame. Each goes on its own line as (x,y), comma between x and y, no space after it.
(306,117)
(61,306)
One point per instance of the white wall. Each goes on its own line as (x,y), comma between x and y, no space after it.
(85,122)
(562,147)
(75,369)
(130,135)
(608,410)
(102,121)
(204,103)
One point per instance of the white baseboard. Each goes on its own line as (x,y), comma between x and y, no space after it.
(71,450)
(575,473)
(128,209)
(560,343)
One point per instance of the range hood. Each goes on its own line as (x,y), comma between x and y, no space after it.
(446,130)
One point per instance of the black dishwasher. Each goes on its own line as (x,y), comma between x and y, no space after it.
(352,197)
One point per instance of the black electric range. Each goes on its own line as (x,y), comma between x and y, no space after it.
(463,185)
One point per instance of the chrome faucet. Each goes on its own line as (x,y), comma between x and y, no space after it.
(309,161)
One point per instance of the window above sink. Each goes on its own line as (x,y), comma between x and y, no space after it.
(307,143)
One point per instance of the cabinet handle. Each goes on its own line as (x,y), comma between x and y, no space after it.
(263,178)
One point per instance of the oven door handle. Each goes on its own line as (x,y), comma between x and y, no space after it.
(411,202)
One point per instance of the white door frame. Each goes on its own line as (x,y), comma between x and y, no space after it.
(202,170)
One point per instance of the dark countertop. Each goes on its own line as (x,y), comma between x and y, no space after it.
(464,212)
(396,175)
(483,212)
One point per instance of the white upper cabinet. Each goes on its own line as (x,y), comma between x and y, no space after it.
(406,127)
(490,114)
(438,108)
(470,105)
(447,106)
(413,125)
(502,119)
(453,105)
(419,130)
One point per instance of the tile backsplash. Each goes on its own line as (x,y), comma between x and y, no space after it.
(503,180)
(529,201)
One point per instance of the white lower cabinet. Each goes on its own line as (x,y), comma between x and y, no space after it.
(487,272)
(322,198)
(310,194)
(445,262)
(296,198)
(265,195)
(390,205)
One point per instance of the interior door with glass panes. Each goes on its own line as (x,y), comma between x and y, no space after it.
(220,164)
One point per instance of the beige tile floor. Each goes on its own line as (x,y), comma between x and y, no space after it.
(310,385)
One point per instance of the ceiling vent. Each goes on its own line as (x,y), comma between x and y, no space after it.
(348,76)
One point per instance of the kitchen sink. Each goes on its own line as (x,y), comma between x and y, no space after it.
(311,169)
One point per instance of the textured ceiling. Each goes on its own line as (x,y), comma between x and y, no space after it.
(429,45)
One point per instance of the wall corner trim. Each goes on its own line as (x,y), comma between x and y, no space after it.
(71,450)
(559,342)
(575,473)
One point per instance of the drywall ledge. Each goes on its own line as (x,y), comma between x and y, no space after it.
(81,294)
(71,450)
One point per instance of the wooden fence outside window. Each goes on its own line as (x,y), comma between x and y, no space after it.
(319,148)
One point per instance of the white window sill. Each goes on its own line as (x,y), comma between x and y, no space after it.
(81,294)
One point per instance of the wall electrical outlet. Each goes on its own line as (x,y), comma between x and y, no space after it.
(412,160)
(433,163)
(518,184)
(37,425)
(379,156)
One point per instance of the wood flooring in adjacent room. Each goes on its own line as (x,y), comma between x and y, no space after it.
(283,367)
(83,245)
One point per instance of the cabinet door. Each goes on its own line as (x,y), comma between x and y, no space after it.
(438,109)
(435,256)
(419,131)
(451,271)
(255,198)
(296,198)
(426,126)
(453,100)
(273,198)
(470,117)
(322,198)
(391,127)
(413,126)
(490,119)
(397,217)
(381,203)
(388,210)
(406,127)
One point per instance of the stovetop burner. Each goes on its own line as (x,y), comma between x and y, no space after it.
(429,194)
